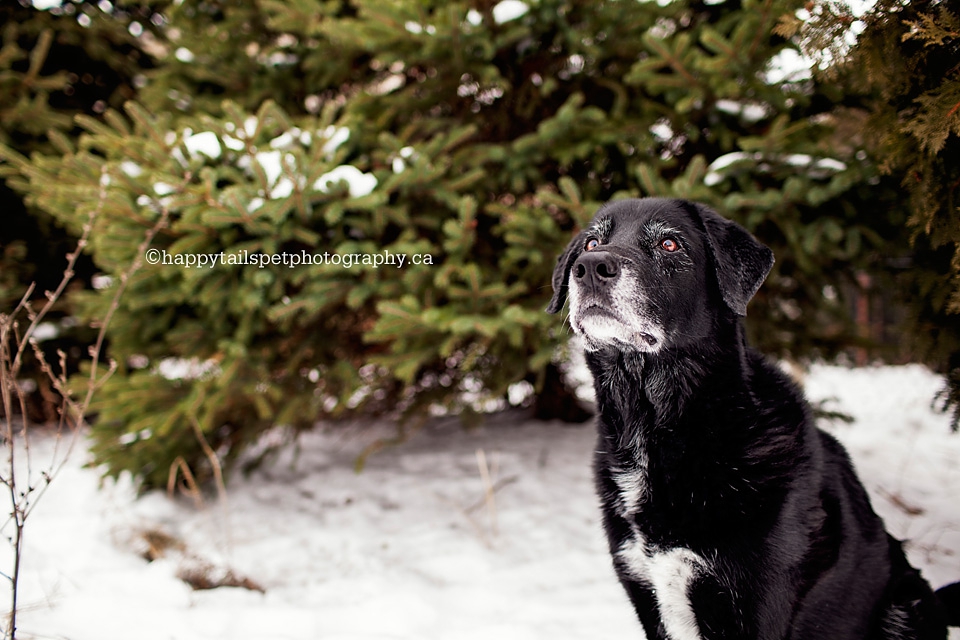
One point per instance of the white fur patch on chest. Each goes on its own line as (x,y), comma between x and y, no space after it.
(669,573)
(633,487)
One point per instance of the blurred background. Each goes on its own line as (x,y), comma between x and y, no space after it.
(482,134)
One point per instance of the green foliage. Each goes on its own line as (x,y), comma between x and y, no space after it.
(74,59)
(906,67)
(477,143)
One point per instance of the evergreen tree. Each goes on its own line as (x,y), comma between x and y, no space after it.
(54,64)
(477,135)
(905,67)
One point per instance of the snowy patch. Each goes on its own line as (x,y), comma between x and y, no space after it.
(749,111)
(45,331)
(789,66)
(101,281)
(398,164)
(138,361)
(335,137)
(519,392)
(131,169)
(294,137)
(250,126)
(417,28)
(358,183)
(405,549)
(270,161)
(283,189)
(233,144)
(184,55)
(816,167)
(130,438)
(285,140)
(508,10)
(205,143)
(186,368)
(662,130)
(388,85)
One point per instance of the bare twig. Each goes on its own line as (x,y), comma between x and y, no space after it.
(218,477)
(488,489)
(189,487)
(10,364)
(25,492)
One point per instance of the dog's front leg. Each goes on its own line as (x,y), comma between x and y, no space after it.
(645,604)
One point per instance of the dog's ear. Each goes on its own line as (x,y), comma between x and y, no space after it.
(741,261)
(561,273)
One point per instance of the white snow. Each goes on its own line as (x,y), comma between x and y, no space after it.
(254,204)
(187,368)
(233,144)
(389,84)
(282,189)
(285,140)
(358,183)
(492,532)
(819,167)
(416,28)
(205,142)
(132,169)
(184,55)
(281,172)
(163,189)
(101,281)
(270,163)
(749,111)
(789,65)
(250,126)
(45,331)
(508,10)
(662,130)
(273,163)
(399,164)
(335,137)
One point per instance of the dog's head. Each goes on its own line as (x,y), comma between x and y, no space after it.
(652,273)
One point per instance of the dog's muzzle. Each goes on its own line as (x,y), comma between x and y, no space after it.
(596,271)
(603,304)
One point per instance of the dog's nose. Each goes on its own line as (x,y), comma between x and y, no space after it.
(596,268)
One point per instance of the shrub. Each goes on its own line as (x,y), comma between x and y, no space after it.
(479,135)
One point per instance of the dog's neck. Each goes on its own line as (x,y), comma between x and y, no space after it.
(661,386)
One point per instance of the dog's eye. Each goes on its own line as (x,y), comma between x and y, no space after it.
(669,245)
(591,244)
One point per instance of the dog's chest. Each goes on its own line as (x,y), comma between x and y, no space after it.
(632,487)
(670,574)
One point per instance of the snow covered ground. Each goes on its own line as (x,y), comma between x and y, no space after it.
(418,546)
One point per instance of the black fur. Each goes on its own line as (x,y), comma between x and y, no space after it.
(728,513)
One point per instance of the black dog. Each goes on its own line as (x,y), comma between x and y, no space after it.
(729,514)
